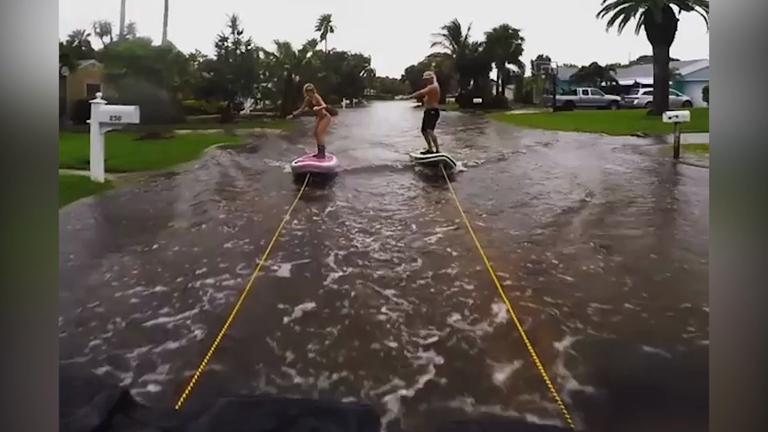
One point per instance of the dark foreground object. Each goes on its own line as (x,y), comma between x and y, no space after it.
(89,404)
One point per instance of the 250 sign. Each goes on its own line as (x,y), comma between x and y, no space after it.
(115,118)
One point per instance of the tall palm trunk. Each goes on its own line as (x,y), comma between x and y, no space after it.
(121,32)
(661,76)
(165,22)
(661,34)
(288,91)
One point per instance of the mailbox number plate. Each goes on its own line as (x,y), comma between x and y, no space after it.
(115,118)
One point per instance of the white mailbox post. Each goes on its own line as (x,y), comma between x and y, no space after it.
(105,118)
(676,117)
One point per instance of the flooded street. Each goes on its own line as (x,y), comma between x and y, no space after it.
(376,292)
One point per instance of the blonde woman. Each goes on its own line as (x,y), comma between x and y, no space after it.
(313,101)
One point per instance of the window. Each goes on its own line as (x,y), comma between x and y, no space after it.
(635,92)
(570,93)
(584,92)
(596,92)
(675,93)
(91,90)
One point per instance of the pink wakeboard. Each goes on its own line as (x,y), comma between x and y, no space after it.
(310,164)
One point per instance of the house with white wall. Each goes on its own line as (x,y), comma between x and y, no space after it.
(691,78)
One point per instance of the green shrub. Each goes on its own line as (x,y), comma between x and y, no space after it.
(705,94)
(497,102)
(194,107)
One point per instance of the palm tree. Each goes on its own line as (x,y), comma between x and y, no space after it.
(79,38)
(166,5)
(324,26)
(659,20)
(291,64)
(368,74)
(453,42)
(505,45)
(102,29)
(130,31)
(594,75)
(476,65)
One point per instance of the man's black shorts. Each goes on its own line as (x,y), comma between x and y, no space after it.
(431,115)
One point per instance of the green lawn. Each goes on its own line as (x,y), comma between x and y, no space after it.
(125,154)
(697,148)
(450,107)
(619,122)
(72,187)
(701,149)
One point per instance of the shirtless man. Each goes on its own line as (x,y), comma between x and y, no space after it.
(431,94)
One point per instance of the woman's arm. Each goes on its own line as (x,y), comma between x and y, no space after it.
(300,110)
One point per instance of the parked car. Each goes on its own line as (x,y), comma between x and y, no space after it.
(643,98)
(584,97)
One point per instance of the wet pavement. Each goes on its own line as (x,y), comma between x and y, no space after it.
(375,291)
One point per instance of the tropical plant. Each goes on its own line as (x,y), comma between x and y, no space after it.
(131,31)
(80,38)
(287,67)
(148,75)
(102,29)
(453,42)
(369,75)
(705,94)
(594,75)
(324,26)
(160,77)
(235,69)
(659,21)
(77,47)
(505,46)
(476,66)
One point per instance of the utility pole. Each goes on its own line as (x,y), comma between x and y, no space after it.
(121,32)
(165,22)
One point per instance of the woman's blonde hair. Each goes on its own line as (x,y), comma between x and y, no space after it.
(309,87)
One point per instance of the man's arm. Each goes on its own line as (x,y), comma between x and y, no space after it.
(421,92)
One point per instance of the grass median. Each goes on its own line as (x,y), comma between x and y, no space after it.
(124,152)
(73,187)
(617,122)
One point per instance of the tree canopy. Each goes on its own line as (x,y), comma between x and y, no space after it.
(240,74)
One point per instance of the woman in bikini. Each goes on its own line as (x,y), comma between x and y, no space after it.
(323,116)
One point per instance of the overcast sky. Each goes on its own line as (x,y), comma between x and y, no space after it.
(395,33)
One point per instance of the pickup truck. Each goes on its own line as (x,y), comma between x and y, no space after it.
(583,97)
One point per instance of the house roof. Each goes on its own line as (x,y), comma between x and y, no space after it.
(564,73)
(643,74)
(83,63)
